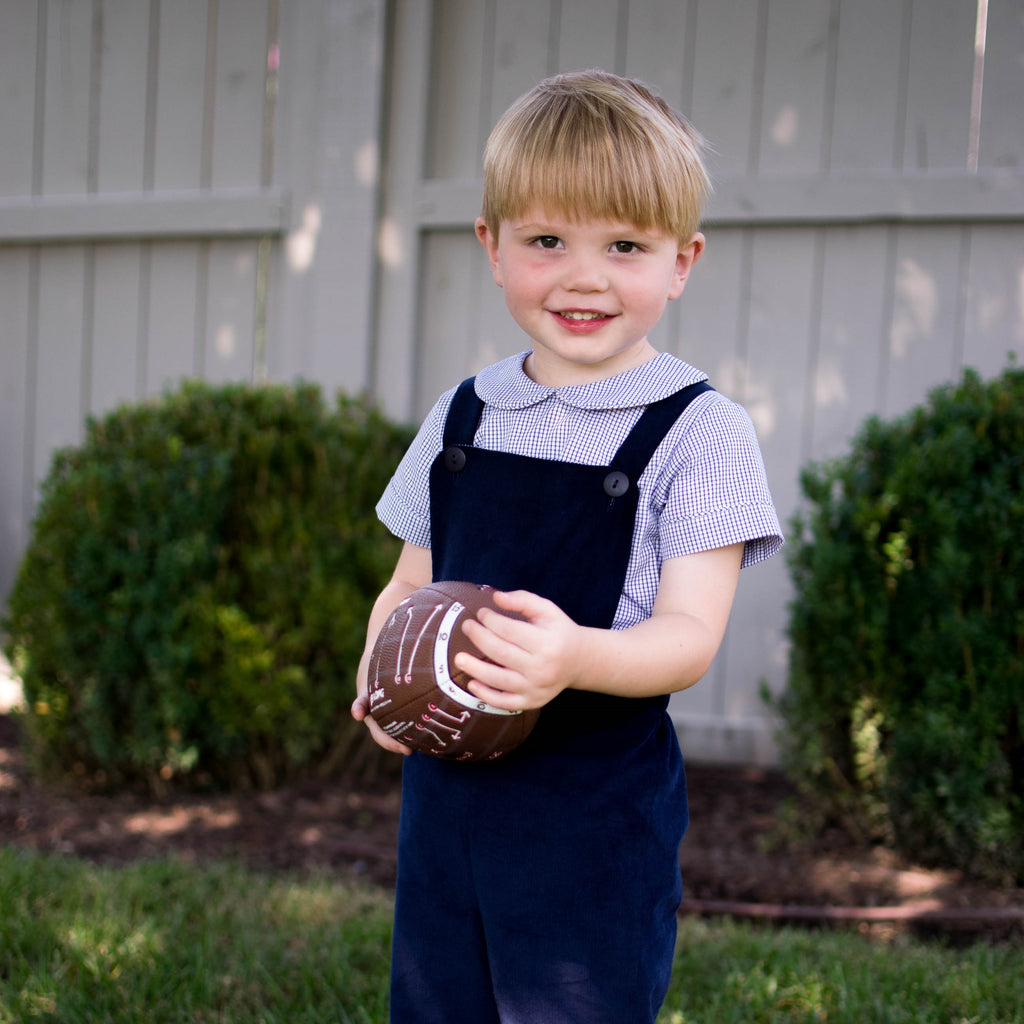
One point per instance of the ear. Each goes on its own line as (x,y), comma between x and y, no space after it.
(489,241)
(687,256)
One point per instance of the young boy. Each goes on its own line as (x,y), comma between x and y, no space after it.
(611,496)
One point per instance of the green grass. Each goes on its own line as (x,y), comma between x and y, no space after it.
(169,942)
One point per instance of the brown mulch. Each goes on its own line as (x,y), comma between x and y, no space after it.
(735,854)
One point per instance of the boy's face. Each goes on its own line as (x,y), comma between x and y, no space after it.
(586,293)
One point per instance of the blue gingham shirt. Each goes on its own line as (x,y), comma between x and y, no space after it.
(704,487)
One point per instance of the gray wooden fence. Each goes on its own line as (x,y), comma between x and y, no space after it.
(243,189)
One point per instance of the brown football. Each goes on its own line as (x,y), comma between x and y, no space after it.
(418,697)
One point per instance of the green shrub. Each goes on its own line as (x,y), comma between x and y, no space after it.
(193,601)
(904,713)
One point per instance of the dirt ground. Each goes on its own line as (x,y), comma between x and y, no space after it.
(735,857)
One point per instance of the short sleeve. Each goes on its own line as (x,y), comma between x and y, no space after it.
(718,493)
(404,507)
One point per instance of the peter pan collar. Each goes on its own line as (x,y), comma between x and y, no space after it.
(506,385)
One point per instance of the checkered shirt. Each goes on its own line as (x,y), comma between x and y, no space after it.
(704,488)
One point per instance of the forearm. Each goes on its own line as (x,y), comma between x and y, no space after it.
(664,654)
(529,660)
(411,572)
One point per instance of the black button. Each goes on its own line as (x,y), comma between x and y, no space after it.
(454,459)
(616,484)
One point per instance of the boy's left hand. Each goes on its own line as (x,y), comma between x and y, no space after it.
(531,659)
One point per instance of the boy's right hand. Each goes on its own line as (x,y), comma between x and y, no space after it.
(412,571)
(361,713)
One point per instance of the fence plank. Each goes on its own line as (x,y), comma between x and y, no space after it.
(175,321)
(228,351)
(1002,141)
(238,102)
(796,63)
(115,326)
(123,88)
(587,36)
(870,90)
(660,48)
(995,299)
(852,337)
(522,51)
(924,332)
(60,361)
(180,96)
(398,238)
(15,356)
(940,73)
(66,113)
(460,110)
(725,89)
(17,96)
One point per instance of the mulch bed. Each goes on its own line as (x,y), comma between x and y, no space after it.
(736,857)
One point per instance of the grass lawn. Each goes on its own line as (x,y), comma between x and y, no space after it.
(169,942)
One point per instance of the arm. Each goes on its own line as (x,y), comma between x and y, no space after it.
(548,653)
(412,571)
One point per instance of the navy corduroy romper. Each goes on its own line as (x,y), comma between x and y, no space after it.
(542,888)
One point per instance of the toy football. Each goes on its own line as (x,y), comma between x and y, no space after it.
(417,696)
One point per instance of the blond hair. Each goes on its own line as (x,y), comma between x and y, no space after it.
(593,146)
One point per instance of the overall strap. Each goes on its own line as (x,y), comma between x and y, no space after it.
(463,415)
(650,430)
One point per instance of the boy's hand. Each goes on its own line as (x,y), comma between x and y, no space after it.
(411,572)
(531,661)
(361,713)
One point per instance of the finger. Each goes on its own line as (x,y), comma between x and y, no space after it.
(491,674)
(504,699)
(498,639)
(382,739)
(360,707)
(523,602)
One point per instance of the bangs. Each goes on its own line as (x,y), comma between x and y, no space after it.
(577,154)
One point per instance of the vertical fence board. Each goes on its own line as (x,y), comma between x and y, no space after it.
(328,151)
(123,82)
(995,299)
(398,240)
(725,63)
(522,54)
(460,87)
(450,346)
(115,326)
(228,352)
(868,85)
(173,315)
(795,86)
(587,33)
(1002,140)
(60,355)
(239,96)
(14,408)
(851,337)
(17,96)
(923,334)
(180,95)
(66,113)
(939,85)
(659,48)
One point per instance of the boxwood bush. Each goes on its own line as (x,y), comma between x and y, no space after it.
(904,712)
(192,603)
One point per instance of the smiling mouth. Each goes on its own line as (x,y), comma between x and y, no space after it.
(571,315)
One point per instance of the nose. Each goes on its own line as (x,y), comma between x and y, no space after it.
(584,272)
